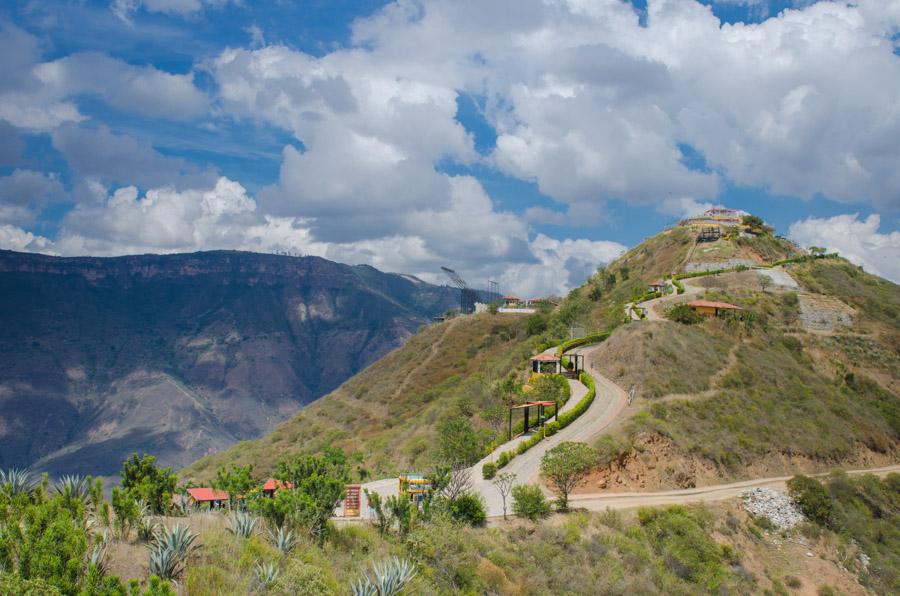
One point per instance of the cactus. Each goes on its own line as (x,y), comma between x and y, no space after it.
(17,480)
(387,579)
(266,574)
(241,524)
(169,550)
(282,539)
(74,486)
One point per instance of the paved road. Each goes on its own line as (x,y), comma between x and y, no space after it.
(648,305)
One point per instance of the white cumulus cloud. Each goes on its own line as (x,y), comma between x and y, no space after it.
(858,240)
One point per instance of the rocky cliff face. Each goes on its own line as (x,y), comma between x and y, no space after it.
(182,355)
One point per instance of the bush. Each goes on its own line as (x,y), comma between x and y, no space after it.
(684,314)
(503,459)
(529,502)
(468,508)
(813,499)
(489,470)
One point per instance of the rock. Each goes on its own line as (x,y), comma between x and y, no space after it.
(778,507)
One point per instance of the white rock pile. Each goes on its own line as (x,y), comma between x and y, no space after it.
(778,507)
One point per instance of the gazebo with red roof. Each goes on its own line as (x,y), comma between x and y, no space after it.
(545,358)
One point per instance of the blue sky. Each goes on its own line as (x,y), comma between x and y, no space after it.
(528,144)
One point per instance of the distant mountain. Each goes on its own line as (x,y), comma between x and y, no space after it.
(182,355)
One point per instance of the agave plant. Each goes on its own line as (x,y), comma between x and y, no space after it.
(96,557)
(179,539)
(386,579)
(169,550)
(17,481)
(166,563)
(283,539)
(266,574)
(147,525)
(241,524)
(74,486)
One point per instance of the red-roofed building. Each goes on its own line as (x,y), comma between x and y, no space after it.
(511,301)
(211,497)
(273,485)
(709,308)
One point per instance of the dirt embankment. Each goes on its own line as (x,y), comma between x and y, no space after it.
(656,463)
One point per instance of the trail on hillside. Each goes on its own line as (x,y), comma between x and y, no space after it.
(433,350)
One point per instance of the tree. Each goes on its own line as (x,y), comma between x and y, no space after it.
(236,481)
(382,517)
(566,466)
(318,487)
(764,281)
(817,250)
(529,502)
(458,443)
(148,483)
(503,482)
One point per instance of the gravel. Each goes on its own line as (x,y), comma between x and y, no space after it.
(777,506)
(713,265)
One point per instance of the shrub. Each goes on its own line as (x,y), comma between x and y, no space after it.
(503,459)
(566,466)
(468,508)
(684,314)
(529,502)
(302,579)
(813,499)
(488,470)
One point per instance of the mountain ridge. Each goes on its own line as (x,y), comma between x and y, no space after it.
(220,344)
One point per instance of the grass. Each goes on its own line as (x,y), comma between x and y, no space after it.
(661,358)
(876,298)
(388,414)
(773,402)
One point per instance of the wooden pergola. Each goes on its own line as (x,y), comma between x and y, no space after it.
(526,408)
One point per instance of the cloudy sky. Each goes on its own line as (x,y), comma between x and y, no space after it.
(519,140)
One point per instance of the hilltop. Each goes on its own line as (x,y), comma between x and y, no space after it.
(182,355)
(717,400)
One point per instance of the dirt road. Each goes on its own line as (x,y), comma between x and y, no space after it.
(599,502)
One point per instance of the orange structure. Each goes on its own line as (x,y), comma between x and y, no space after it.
(351,501)
(709,308)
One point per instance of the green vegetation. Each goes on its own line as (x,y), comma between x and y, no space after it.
(864,513)
(144,481)
(876,298)
(392,411)
(529,502)
(565,467)
(684,314)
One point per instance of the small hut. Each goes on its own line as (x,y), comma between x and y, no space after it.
(709,308)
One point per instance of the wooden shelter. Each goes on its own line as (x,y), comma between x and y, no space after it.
(209,497)
(273,485)
(545,358)
(526,409)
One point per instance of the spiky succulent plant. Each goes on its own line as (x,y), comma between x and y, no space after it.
(282,539)
(266,574)
(169,550)
(386,579)
(74,486)
(241,523)
(17,481)
(96,556)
